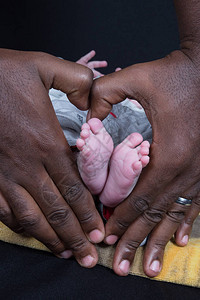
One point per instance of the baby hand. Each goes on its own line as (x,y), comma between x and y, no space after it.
(85,61)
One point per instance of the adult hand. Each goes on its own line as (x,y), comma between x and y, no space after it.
(41,190)
(184,229)
(85,61)
(168,89)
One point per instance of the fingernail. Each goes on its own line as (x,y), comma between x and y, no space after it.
(124,266)
(96,236)
(65,254)
(155,266)
(87,261)
(111,239)
(185,239)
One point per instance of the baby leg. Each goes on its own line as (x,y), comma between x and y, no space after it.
(96,147)
(127,162)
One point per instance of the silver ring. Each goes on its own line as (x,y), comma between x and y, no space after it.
(184,201)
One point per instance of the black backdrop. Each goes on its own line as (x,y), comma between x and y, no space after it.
(123,32)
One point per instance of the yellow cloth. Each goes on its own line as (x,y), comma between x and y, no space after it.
(181,264)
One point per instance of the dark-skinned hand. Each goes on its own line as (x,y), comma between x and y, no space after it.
(169,91)
(41,192)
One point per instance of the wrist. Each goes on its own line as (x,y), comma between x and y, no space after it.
(192,50)
(188,15)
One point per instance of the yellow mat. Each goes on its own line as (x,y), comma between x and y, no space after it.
(181,264)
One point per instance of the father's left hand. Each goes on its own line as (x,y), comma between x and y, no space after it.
(168,89)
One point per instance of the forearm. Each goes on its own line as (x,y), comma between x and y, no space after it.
(188,15)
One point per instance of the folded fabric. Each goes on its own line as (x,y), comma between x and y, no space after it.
(124,119)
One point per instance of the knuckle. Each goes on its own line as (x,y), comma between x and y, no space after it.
(55,246)
(50,197)
(97,89)
(87,78)
(29,221)
(5,214)
(158,244)
(196,201)
(59,217)
(77,244)
(87,217)
(74,193)
(153,215)
(84,79)
(122,225)
(53,146)
(131,246)
(176,216)
(189,221)
(99,93)
(139,204)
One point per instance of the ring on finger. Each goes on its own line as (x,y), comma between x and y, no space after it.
(184,201)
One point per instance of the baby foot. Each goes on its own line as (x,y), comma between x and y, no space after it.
(126,165)
(96,147)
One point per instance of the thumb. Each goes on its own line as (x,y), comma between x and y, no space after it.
(131,82)
(71,78)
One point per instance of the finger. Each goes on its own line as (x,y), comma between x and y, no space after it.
(134,235)
(7,217)
(130,241)
(127,246)
(30,217)
(84,59)
(146,193)
(71,78)
(115,87)
(61,218)
(139,201)
(183,232)
(64,222)
(151,215)
(75,193)
(117,69)
(97,64)
(57,163)
(158,239)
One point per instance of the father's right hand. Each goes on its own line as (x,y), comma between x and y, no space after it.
(41,190)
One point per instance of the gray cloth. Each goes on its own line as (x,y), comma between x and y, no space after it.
(128,119)
(125,119)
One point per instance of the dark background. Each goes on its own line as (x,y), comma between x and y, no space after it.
(28,274)
(121,31)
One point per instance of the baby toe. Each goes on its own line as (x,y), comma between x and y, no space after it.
(145,144)
(85,133)
(144,151)
(95,125)
(85,126)
(144,160)
(133,140)
(80,143)
(144,148)
(137,167)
